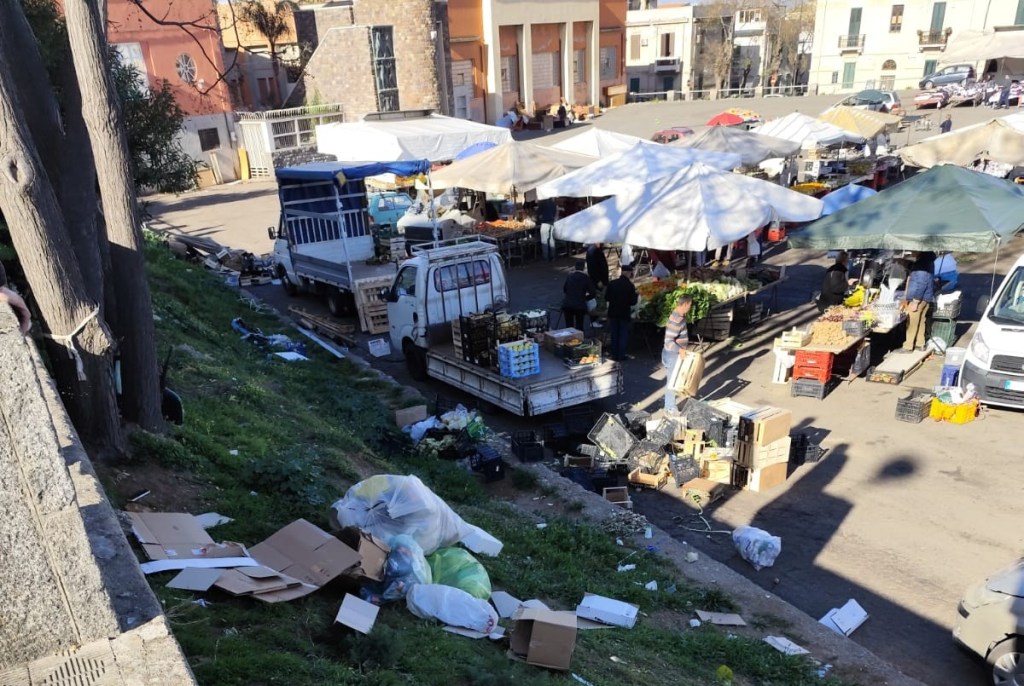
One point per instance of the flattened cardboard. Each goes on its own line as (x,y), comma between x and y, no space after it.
(410,415)
(785,646)
(305,552)
(607,611)
(357,614)
(373,554)
(193,579)
(157,566)
(496,635)
(721,618)
(505,604)
(254,581)
(167,535)
(846,619)
(543,638)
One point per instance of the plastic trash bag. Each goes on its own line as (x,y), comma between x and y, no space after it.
(451,606)
(405,567)
(458,568)
(756,546)
(387,505)
(419,429)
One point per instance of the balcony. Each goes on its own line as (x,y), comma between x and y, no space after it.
(933,40)
(666,65)
(851,43)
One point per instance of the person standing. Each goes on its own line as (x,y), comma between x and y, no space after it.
(621,296)
(578,289)
(917,299)
(753,248)
(947,124)
(547,213)
(597,265)
(676,340)
(835,283)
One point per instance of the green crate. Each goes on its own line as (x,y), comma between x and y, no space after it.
(945,330)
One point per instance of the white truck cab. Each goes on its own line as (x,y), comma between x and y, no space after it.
(994,362)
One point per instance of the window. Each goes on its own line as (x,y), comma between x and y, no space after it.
(384,71)
(186,68)
(854,29)
(509,74)
(547,70)
(667,39)
(130,55)
(579,66)
(888,65)
(848,74)
(465,275)
(887,82)
(835,77)
(209,139)
(896,19)
(938,16)
(929,67)
(748,16)
(609,57)
(405,284)
(634,46)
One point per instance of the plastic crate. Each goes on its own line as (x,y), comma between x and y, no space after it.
(647,456)
(954,414)
(914,407)
(950,372)
(637,422)
(802,451)
(855,327)
(700,415)
(950,311)
(506,328)
(526,446)
(944,330)
(533,324)
(815,358)
(955,356)
(612,437)
(578,420)
(811,388)
(713,329)
(683,469)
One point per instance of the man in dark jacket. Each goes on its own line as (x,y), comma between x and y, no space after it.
(835,283)
(597,265)
(578,289)
(621,296)
(918,298)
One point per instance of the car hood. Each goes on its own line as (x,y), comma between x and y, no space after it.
(1009,581)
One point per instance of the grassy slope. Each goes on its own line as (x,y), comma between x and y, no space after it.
(305,432)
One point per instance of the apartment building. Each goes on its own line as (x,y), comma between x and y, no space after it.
(534,52)
(659,50)
(881,44)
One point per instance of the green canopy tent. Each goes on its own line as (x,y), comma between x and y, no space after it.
(945,209)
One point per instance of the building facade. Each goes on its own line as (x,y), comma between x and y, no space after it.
(254,81)
(881,44)
(192,63)
(659,50)
(534,53)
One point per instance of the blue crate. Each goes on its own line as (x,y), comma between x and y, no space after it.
(509,351)
(518,371)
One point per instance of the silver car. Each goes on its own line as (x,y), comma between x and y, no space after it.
(990,624)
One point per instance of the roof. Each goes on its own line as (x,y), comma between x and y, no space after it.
(1000,140)
(433,137)
(971,46)
(807,131)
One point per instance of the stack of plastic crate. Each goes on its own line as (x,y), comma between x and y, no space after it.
(518,359)
(944,321)
(472,337)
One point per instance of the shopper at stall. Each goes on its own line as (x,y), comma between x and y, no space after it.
(597,265)
(947,273)
(918,298)
(676,340)
(547,213)
(578,289)
(753,248)
(835,283)
(947,124)
(621,296)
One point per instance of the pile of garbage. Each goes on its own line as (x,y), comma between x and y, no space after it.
(238,266)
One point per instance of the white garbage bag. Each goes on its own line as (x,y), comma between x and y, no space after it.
(388,505)
(756,546)
(451,606)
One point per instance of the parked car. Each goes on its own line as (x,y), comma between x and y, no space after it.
(990,624)
(387,207)
(879,101)
(954,73)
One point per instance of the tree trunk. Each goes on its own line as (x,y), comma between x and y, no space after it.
(140,372)
(37,229)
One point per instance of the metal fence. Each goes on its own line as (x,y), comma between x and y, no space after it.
(719,94)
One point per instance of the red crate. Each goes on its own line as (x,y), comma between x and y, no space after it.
(816,373)
(776,233)
(807,358)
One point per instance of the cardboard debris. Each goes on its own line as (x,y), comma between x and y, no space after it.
(357,614)
(721,618)
(496,635)
(607,611)
(846,619)
(193,579)
(178,541)
(505,604)
(256,581)
(786,646)
(589,624)
(543,638)
(410,415)
(481,542)
(702,492)
(208,520)
(304,552)
(535,604)
(373,554)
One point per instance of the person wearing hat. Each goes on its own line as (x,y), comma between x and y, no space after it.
(578,289)
(621,296)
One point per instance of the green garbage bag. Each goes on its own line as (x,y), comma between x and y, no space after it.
(456,567)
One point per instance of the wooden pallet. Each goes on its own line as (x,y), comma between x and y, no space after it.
(325,326)
(370,303)
(376,319)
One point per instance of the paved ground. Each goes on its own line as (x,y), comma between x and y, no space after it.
(901,517)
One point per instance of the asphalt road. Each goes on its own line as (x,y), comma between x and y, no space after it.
(901,517)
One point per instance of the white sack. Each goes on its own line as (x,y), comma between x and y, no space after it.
(451,606)
(756,546)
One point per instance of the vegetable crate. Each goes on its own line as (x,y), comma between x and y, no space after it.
(855,327)
(533,322)
(813,365)
(506,328)
(945,330)
(612,437)
(948,311)
(954,414)
(914,407)
(527,447)
(812,388)
(518,359)
(717,326)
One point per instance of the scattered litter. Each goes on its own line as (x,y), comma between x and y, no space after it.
(408,416)
(177,541)
(253,493)
(406,566)
(756,546)
(233,452)
(627,568)
(724,674)
(458,568)
(496,635)
(651,585)
(607,611)
(357,614)
(618,660)
(694,623)
(543,638)
(692,557)
(321,342)
(824,670)
(535,604)
(581,680)
(292,356)
(139,496)
(230,631)
(846,619)
(542,525)
(671,589)
(648,533)
(195,579)
(652,548)
(618,541)
(721,618)
(451,606)
(268,341)
(379,347)
(505,604)
(201,602)
(785,646)
(208,520)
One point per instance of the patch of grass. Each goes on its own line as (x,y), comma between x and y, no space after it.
(524,479)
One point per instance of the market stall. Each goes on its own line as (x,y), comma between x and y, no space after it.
(752,147)
(1001,140)
(865,123)
(597,142)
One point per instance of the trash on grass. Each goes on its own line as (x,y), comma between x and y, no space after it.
(694,623)
(692,557)
(291,356)
(406,567)
(607,611)
(756,546)
(651,585)
(458,568)
(496,635)
(193,579)
(543,638)
(208,520)
(846,619)
(357,614)
(627,568)
(451,606)
(785,646)
(721,618)
(177,541)
(505,604)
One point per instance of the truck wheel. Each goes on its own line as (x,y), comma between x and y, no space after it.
(288,286)
(339,303)
(415,361)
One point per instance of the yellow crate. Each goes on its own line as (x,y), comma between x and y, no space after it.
(954,414)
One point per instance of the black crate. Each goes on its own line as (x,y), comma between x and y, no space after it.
(915,407)
(487,461)
(648,456)
(636,421)
(538,324)
(747,314)
(683,469)
(699,415)
(506,330)
(612,437)
(580,476)
(578,420)
(526,446)
(812,388)
(712,329)
(802,451)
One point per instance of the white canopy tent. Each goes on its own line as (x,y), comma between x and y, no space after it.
(752,147)
(599,142)
(433,137)
(970,46)
(698,208)
(1000,140)
(808,131)
(509,168)
(632,170)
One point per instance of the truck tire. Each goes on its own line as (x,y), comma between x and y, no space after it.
(288,286)
(340,304)
(415,361)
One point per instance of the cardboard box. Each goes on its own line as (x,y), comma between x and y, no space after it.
(543,637)
(410,415)
(255,581)
(619,495)
(657,480)
(373,554)
(553,338)
(174,540)
(765,425)
(702,492)
(719,471)
(767,478)
(304,552)
(607,611)
(753,456)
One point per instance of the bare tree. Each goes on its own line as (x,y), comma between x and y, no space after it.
(791,29)
(273,22)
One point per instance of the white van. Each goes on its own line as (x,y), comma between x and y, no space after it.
(995,357)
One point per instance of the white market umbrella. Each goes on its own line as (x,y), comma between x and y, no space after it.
(807,131)
(698,208)
(599,142)
(999,140)
(752,147)
(509,168)
(633,170)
